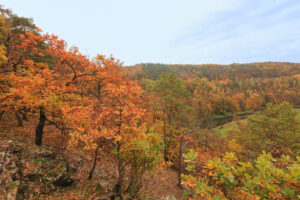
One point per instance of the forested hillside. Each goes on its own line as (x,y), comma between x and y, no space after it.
(220,89)
(233,72)
(78,128)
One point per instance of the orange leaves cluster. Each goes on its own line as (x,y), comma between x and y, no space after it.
(91,99)
(110,106)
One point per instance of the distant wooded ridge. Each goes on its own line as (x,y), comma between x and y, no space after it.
(233,71)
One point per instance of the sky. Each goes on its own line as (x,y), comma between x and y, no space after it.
(172,31)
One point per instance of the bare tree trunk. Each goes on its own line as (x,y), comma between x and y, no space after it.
(24,116)
(1,114)
(20,121)
(180,155)
(179,163)
(136,178)
(39,131)
(119,186)
(165,139)
(206,141)
(94,165)
(154,116)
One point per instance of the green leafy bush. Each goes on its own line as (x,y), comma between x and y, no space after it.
(229,178)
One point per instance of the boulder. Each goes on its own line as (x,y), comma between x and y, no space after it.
(9,176)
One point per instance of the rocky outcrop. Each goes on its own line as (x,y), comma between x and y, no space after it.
(9,169)
(168,197)
(31,172)
(27,170)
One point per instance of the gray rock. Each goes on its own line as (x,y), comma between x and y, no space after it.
(9,179)
(169,197)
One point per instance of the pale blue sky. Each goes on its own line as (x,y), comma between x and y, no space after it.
(172,31)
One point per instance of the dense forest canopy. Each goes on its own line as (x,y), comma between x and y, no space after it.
(234,71)
(221,89)
(150,117)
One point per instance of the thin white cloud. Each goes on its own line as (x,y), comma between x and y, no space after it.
(173,31)
(253,32)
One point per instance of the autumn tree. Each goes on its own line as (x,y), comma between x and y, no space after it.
(274,130)
(112,114)
(41,75)
(12,56)
(173,106)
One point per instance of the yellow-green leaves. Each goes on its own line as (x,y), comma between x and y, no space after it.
(190,159)
(2,54)
(268,178)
